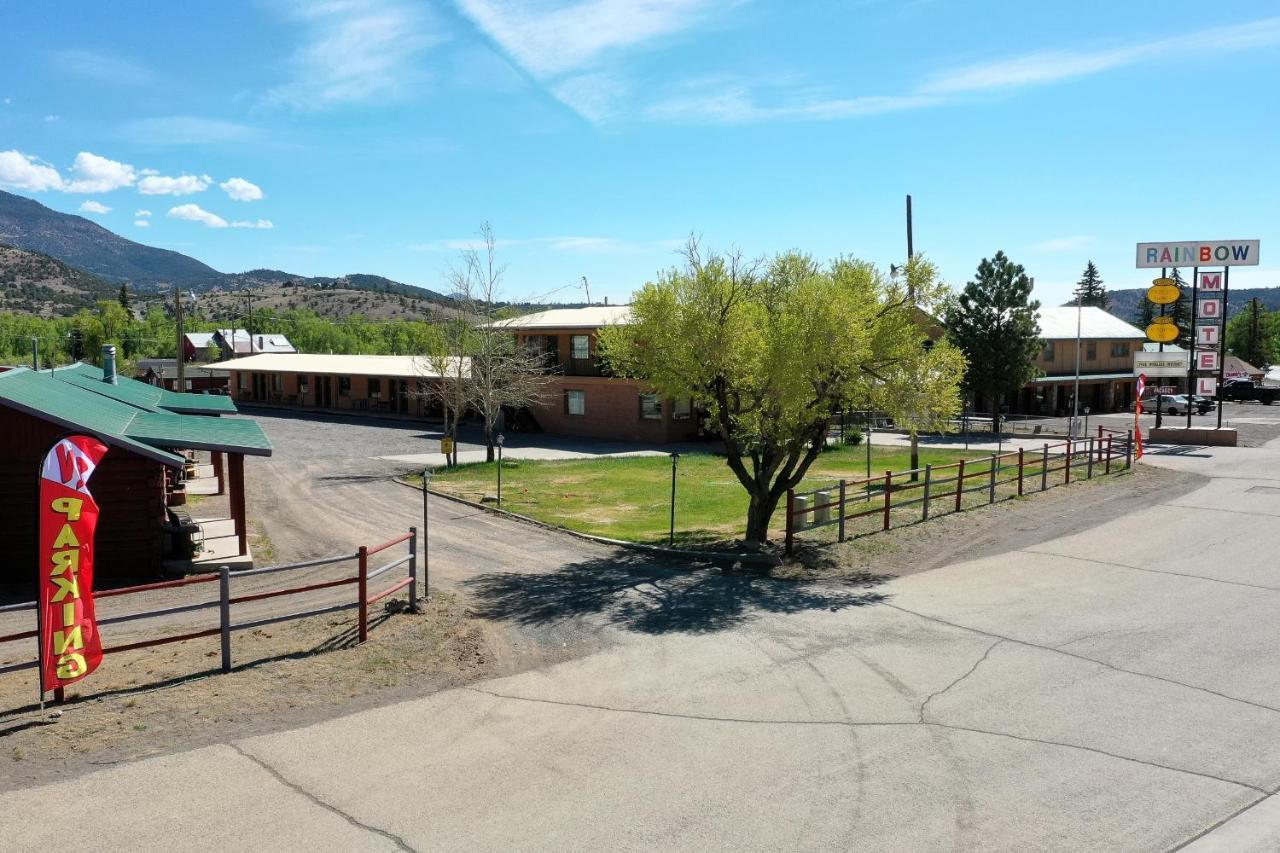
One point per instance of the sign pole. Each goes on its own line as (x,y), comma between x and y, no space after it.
(1164,273)
(1222,339)
(1195,315)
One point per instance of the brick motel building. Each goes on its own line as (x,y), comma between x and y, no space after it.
(146,430)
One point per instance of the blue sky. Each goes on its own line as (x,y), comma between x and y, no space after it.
(375,136)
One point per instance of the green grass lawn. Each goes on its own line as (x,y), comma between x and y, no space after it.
(629,498)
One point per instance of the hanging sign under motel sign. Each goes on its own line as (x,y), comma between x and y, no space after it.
(1212,253)
(1161,363)
(70,647)
(1163,291)
(1163,330)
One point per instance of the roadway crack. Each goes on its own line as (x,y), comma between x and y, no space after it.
(1113,565)
(392,837)
(1062,651)
(866,724)
(935,694)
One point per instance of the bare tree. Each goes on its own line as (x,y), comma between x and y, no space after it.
(502,375)
(444,374)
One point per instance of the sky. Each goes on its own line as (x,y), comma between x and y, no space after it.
(376,136)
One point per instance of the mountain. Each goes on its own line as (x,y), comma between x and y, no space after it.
(1125,303)
(33,283)
(332,299)
(29,225)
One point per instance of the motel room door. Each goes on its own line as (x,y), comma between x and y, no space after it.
(324,392)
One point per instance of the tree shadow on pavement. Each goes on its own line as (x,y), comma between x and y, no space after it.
(652,595)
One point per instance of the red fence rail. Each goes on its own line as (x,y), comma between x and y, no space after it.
(850,500)
(224,577)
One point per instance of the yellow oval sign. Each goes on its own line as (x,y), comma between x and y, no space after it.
(1164,294)
(1162,333)
(1162,281)
(1165,319)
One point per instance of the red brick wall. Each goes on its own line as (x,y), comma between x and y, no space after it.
(129,490)
(612,412)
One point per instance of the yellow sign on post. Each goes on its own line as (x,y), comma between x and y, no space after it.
(1164,291)
(1163,332)
(446,444)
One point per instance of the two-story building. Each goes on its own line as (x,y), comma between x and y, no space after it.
(580,397)
(1106,344)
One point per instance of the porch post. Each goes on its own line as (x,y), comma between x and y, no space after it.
(237,500)
(218,472)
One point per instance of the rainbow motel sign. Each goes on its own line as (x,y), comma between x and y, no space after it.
(1215,253)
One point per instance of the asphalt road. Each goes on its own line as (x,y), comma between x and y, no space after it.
(1112,690)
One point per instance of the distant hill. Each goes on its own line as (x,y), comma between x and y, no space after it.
(1125,303)
(328,298)
(33,283)
(29,225)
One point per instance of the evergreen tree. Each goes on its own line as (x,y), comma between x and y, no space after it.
(994,323)
(1145,314)
(124,297)
(1181,310)
(1090,289)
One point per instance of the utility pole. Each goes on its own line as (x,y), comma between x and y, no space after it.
(587,288)
(248,320)
(1075,394)
(35,353)
(182,355)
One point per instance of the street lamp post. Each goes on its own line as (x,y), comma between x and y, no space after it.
(499,443)
(1086,421)
(671,535)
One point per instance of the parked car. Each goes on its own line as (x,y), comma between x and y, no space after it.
(1241,390)
(1203,404)
(1170,404)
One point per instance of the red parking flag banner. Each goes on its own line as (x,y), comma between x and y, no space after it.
(70,647)
(1137,414)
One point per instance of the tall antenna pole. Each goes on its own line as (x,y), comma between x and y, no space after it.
(587,288)
(1075,394)
(182,355)
(910,250)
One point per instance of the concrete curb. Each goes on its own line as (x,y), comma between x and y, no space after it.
(752,561)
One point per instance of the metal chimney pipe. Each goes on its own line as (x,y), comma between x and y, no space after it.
(109,364)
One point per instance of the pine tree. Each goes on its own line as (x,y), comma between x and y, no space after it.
(1146,313)
(124,297)
(994,323)
(1181,310)
(1090,289)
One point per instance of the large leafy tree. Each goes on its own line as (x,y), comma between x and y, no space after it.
(1090,289)
(771,350)
(993,322)
(1254,335)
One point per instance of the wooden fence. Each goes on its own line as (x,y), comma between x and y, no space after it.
(224,602)
(857,507)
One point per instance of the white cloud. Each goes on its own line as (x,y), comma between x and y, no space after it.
(183,185)
(1063,244)
(354,51)
(99,67)
(195,213)
(739,104)
(142,223)
(241,190)
(24,172)
(141,213)
(93,207)
(93,174)
(551,41)
(1051,66)
(254,223)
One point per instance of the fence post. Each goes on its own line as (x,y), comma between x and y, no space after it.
(1090,468)
(1067,481)
(960,485)
(928,487)
(1107,469)
(888,496)
(1044,468)
(791,507)
(840,506)
(1021,469)
(363,585)
(1128,451)
(995,466)
(224,614)
(413,570)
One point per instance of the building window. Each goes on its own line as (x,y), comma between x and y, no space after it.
(1120,350)
(579,347)
(650,407)
(375,388)
(575,402)
(1047,355)
(1091,351)
(277,383)
(681,410)
(344,386)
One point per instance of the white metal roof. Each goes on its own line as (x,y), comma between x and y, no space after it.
(1059,324)
(199,340)
(591,317)
(395,366)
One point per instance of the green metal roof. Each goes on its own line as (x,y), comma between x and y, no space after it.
(143,395)
(49,396)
